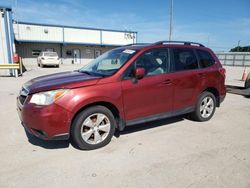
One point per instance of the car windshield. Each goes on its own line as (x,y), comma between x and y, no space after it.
(50,54)
(108,63)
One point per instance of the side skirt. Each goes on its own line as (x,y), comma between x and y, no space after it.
(160,116)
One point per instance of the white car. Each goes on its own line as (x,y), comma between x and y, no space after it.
(48,59)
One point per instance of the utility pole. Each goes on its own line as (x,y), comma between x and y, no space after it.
(170,19)
(238,45)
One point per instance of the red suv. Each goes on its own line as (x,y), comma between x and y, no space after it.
(125,86)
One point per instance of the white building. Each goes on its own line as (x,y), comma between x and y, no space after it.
(73,44)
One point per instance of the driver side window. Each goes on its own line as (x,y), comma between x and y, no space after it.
(154,62)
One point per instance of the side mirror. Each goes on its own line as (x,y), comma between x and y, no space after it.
(139,73)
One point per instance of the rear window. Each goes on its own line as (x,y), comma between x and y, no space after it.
(206,60)
(184,59)
(50,54)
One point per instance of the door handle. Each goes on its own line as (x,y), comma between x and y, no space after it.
(202,75)
(167,82)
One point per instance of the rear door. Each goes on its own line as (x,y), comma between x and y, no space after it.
(152,94)
(186,78)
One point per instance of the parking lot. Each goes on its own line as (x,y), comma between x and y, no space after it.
(175,152)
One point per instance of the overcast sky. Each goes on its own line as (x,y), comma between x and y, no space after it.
(219,24)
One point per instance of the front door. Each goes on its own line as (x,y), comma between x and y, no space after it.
(76,56)
(152,94)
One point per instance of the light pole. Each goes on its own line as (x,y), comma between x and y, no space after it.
(170,19)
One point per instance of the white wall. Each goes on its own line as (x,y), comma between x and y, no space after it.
(81,36)
(37,33)
(117,38)
(30,32)
(3,44)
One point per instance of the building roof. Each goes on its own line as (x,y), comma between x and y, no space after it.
(75,27)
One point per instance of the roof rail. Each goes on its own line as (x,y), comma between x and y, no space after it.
(136,44)
(183,42)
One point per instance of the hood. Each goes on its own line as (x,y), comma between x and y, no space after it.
(70,79)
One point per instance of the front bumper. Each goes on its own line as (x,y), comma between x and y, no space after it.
(50,122)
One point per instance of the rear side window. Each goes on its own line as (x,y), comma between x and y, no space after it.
(206,59)
(184,59)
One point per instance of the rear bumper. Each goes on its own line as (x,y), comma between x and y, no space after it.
(50,62)
(46,122)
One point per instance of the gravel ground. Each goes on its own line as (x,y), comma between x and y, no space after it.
(176,152)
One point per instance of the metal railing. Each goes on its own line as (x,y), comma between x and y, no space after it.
(241,59)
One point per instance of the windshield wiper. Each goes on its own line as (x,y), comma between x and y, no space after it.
(85,72)
(91,73)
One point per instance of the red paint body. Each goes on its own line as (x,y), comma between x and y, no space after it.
(172,92)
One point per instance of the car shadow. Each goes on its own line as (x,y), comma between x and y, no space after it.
(60,144)
(47,144)
(150,125)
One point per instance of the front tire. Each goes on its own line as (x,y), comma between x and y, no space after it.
(205,107)
(93,128)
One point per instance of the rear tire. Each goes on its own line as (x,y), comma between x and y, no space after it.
(93,128)
(205,107)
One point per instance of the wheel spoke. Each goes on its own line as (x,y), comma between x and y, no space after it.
(100,118)
(209,102)
(205,101)
(104,128)
(97,137)
(88,123)
(86,135)
(204,112)
(209,109)
(202,108)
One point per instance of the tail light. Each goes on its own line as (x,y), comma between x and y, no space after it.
(223,72)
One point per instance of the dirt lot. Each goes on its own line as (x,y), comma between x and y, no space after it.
(172,153)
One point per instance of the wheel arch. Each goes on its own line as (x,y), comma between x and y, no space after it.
(115,111)
(215,92)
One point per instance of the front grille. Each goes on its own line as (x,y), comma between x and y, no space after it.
(23,95)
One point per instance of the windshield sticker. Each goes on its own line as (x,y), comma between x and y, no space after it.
(129,51)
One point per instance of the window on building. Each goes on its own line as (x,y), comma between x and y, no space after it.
(206,59)
(184,59)
(36,52)
(69,52)
(49,49)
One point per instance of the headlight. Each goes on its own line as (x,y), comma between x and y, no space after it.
(48,97)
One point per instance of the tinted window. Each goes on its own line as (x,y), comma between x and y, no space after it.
(184,59)
(50,54)
(154,61)
(206,59)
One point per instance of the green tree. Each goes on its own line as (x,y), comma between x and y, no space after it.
(240,49)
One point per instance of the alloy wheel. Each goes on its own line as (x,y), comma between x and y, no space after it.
(95,128)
